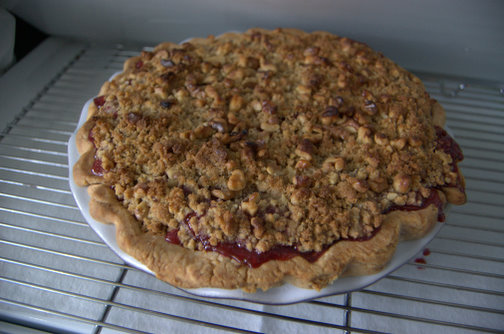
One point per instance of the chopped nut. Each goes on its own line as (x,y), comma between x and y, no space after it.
(399,143)
(328,164)
(227,223)
(265,66)
(330,111)
(181,94)
(311,51)
(425,192)
(370,107)
(222,194)
(227,138)
(372,160)
(256,105)
(391,196)
(316,135)
(161,54)
(167,62)
(232,119)
(336,101)
(242,60)
(270,170)
(381,139)
(212,93)
(211,79)
(414,141)
(160,92)
(258,226)
(402,183)
(400,200)
(330,114)
(268,107)
(269,127)
(310,59)
(378,184)
(299,195)
(238,74)
(203,131)
(228,83)
(189,134)
(303,164)
(262,152)
(360,185)
(249,207)
(352,126)
(206,67)
(333,178)
(301,89)
(302,180)
(305,149)
(236,181)
(200,103)
(231,165)
(339,164)
(219,124)
(224,48)
(360,117)
(235,103)
(364,135)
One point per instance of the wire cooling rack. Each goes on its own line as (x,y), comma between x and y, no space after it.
(57,275)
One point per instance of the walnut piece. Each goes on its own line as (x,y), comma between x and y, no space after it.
(236,181)
(402,183)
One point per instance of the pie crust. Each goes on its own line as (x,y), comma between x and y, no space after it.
(310,152)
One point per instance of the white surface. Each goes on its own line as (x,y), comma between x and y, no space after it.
(453,37)
(284,294)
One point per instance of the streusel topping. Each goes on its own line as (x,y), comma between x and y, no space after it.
(267,138)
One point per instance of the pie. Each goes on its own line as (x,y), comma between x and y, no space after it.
(254,159)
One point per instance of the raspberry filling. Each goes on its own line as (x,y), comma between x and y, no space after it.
(446,143)
(99,101)
(255,259)
(97,168)
(172,237)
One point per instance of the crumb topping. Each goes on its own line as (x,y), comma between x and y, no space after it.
(267,138)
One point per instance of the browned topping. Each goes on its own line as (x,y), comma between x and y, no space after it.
(267,138)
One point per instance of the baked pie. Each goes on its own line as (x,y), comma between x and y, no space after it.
(257,158)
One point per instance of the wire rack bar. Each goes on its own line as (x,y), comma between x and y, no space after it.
(122,306)
(173,296)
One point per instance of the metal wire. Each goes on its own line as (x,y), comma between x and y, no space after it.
(35,199)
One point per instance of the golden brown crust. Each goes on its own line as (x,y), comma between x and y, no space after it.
(82,170)
(263,139)
(188,269)
(438,115)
